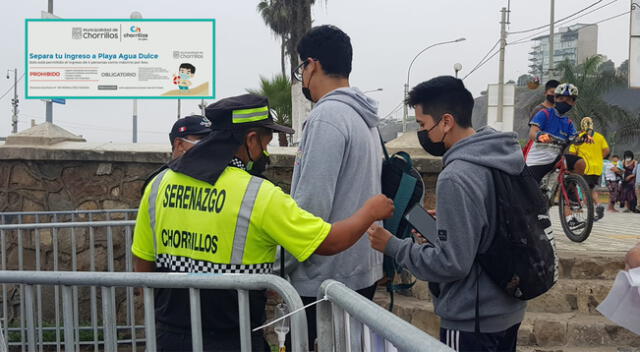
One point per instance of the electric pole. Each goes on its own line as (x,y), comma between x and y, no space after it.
(551,40)
(49,103)
(503,44)
(14,101)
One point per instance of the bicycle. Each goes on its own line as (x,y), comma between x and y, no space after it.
(572,195)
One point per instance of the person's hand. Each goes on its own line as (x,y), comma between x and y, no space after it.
(544,138)
(432,212)
(379,237)
(419,238)
(380,207)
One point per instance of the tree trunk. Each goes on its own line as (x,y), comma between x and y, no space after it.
(300,11)
(282,56)
(282,139)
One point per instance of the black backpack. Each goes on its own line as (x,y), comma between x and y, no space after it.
(402,183)
(522,258)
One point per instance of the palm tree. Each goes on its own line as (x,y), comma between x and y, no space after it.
(278,91)
(275,15)
(593,83)
(289,19)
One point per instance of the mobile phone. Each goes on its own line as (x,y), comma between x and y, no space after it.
(423,222)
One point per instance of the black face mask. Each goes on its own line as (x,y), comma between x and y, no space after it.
(433,148)
(563,107)
(258,167)
(551,98)
(307,94)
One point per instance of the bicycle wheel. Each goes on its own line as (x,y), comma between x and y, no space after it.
(577,216)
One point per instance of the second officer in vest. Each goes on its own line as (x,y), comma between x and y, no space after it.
(211,212)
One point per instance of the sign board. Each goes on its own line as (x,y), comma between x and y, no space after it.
(120,58)
(634,47)
(508,107)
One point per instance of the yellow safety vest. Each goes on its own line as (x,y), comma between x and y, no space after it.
(234,226)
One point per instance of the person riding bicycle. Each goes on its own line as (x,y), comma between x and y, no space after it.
(551,125)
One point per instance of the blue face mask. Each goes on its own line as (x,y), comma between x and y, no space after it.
(184,76)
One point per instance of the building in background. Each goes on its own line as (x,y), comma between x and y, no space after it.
(575,43)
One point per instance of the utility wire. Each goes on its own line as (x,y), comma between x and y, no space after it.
(10,88)
(482,64)
(564,18)
(527,39)
(482,60)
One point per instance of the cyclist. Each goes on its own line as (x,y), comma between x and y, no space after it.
(549,124)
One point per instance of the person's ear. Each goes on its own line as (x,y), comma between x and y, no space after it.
(448,122)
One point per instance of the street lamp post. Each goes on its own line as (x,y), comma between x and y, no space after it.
(457,67)
(134,139)
(406,85)
(373,90)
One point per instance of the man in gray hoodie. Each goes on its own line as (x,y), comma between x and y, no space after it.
(466,220)
(338,165)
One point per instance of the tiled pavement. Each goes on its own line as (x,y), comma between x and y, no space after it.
(616,232)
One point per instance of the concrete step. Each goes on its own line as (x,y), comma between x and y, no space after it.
(545,330)
(590,265)
(570,295)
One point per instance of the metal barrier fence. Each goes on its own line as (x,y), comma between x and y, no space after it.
(66,215)
(73,246)
(380,327)
(67,281)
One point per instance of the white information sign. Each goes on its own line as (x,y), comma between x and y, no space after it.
(121,59)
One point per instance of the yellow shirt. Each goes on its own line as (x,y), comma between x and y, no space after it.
(592,153)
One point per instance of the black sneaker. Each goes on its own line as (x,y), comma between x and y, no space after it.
(599,212)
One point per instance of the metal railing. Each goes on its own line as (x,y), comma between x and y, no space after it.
(66,215)
(380,327)
(67,281)
(73,246)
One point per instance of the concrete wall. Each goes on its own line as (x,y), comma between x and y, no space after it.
(79,176)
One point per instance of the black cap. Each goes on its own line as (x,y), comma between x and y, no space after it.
(243,112)
(190,125)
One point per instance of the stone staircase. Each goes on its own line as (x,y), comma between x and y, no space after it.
(562,320)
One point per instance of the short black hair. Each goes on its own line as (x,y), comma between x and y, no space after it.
(188,66)
(552,83)
(329,45)
(441,95)
(616,156)
(628,154)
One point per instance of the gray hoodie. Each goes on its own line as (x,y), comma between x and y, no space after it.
(466,220)
(337,169)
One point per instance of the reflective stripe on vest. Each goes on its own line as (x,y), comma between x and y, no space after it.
(244,219)
(152,207)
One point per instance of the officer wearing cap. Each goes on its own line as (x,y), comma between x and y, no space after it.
(211,212)
(186,133)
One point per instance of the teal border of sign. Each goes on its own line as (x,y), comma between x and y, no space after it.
(26,56)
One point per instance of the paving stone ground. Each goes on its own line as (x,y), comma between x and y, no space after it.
(616,232)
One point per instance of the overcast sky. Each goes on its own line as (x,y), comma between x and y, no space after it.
(385,36)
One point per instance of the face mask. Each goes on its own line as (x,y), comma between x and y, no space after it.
(627,159)
(563,107)
(258,167)
(551,99)
(435,149)
(184,76)
(307,94)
